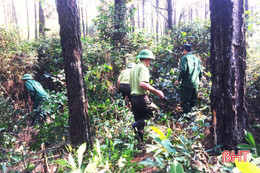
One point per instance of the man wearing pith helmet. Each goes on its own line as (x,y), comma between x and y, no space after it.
(142,106)
(190,75)
(36,92)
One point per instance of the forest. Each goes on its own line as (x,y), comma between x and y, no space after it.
(61,107)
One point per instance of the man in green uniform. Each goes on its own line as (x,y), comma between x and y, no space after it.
(36,92)
(190,75)
(123,86)
(142,106)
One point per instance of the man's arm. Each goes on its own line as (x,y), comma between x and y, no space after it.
(150,88)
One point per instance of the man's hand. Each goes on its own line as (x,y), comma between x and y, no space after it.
(159,94)
(176,82)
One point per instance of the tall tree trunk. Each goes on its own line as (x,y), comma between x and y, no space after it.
(87,30)
(35,19)
(15,18)
(82,19)
(28,24)
(206,9)
(41,20)
(133,18)
(138,15)
(157,19)
(175,12)
(5,14)
(143,10)
(69,21)
(169,10)
(190,13)
(119,25)
(227,59)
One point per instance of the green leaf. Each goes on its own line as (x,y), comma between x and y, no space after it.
(159,132)
(31,166)
(245,147)
(72,162)
(61,162)
(176,168)
(167,144)
(80,152)
(169,132)
(249,138)
(247,167)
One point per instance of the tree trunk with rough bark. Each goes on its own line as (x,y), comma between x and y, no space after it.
(35,20)
(28,25)
(169,10)
(119,24)
(41,20)
(157,19)
(143,10)
(69,21)
(227,59)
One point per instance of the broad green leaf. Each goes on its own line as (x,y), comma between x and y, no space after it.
(80,152)
(247,167)
(245,147)
(61,162)
(176,168)
(249,138)
(167,144)
(159,132)
(72,162)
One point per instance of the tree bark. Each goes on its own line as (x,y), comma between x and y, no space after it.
(28,24)
(143,10)
(119,24)
(169,10)
(5,14)
(157,19)
(133,18)
(35,20)
(175,12)
(82,19)
(41,20)
(69,21)
(87,30)
(227,59)
(138,15)
(15,18)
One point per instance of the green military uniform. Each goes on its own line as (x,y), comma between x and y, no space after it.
(190,75)
(36,92)
(142,106)
(124,77)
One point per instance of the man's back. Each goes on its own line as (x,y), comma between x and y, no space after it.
(139,73)
(191,71)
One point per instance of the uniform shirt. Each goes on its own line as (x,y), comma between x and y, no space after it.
(35,90)
(139,73)
(190,71)
(124,76)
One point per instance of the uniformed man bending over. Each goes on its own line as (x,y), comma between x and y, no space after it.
(190,75)
(36,92)
(123,82)
(143,107)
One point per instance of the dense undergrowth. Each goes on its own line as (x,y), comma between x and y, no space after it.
(175,143)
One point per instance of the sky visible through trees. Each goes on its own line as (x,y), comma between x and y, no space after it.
(186,10)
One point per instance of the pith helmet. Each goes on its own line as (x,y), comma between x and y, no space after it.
(187,47)
(146,54)
(27,77)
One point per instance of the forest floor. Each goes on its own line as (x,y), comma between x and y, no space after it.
(27,137)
